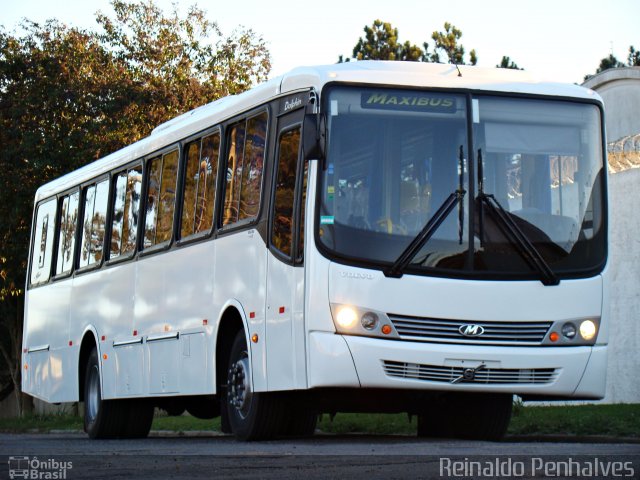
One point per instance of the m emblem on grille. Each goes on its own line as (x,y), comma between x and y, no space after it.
(471,330)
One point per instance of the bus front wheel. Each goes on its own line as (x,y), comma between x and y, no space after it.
(252,415)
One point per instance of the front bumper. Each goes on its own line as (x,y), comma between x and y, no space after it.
(351,361)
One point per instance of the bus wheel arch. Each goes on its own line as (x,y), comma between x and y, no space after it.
(230,324)
(88,343)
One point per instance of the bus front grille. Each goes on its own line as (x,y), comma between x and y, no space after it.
(450,331)
(442,374)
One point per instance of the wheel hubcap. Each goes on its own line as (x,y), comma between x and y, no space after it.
(239,384)
(93,393)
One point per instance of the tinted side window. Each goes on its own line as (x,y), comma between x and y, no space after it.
(282,228)
(200,185)
(43,242)
(250,188)
(244,169)
(161,194)
(126,211)
(67,232)
(94,223)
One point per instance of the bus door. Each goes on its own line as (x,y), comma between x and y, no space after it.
(286,364)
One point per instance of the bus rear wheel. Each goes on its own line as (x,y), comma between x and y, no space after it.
(129,418)
(251,415)
(473,416)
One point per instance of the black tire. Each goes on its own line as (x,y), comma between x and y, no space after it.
(252,416)
(301,423)
(467,416)
(139,418)
(102,418)
(112,418)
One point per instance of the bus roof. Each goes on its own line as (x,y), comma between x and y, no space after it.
(408,74)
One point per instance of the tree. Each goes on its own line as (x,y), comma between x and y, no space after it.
(69,96)
(380,42)
(447,43)
(609,62)
(508,63)
(633,60)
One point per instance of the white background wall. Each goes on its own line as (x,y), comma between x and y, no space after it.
(623,373)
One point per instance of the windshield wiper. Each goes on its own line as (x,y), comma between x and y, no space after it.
(511,230)
(396,270)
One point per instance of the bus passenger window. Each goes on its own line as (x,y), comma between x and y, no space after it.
(161,194)
(126,209)
(94,222)
(67,232)
(252,171)
(244,169)
(200,185)
(43,243)
(282,229)
(234,173)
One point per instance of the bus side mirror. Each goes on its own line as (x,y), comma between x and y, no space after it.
(313,137)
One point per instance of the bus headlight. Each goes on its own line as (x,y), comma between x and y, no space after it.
(350,320)
(588,330)
(569,330)
(346,316)
(575,332)
(369,320)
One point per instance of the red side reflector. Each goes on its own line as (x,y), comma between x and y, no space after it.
(252,314)
(135,333)
(103,338)
(71,343)
(205,322)
(281,309)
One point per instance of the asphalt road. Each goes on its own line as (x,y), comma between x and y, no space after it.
(72,456)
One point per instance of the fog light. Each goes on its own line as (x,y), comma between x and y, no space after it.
(569,330)
(588,329)
(346,317)
(369,320)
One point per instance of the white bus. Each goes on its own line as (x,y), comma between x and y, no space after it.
(362,237)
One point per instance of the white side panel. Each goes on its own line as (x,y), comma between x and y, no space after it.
(241,271)
(39,378)
(330,362)
(163,366)
(299,331)
(193,367)
(47,323)
(130,362)
(174,294)
(317,312)
(281,294)
(110,294)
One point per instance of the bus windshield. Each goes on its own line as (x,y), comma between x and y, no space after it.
(527,164)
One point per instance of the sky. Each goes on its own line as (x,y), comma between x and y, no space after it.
(558,40)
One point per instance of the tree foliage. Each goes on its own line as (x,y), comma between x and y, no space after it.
(506,62)
(633,60)
(69,96)
(447,42)
(380,42)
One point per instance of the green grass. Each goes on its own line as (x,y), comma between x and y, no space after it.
(621,420)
